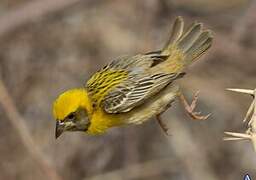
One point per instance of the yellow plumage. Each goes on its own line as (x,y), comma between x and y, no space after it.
(69,101)
(104,81)
(131,89)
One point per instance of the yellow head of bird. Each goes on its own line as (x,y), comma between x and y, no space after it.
(70,110)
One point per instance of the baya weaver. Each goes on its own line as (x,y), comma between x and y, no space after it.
(133,89)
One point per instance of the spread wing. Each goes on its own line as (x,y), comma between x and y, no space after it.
(124,84)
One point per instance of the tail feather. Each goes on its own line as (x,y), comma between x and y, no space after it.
(176,33)
(187,40)
(201,45)
(192,43)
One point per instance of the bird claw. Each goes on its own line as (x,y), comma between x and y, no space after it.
(196,117)
(190,108)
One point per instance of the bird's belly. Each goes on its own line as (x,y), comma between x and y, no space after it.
(153,106)
(101,121)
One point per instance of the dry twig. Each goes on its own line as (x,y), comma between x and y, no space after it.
(250,117)
(19,125)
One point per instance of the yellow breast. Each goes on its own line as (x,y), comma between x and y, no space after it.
(100,121)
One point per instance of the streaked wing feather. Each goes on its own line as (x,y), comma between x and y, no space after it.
(131,94)
(124,84)
(140,61)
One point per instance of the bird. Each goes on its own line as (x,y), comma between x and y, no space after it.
(133,89)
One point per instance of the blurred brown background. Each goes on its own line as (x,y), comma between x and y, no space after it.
(49,46)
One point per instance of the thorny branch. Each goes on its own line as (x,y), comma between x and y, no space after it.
(250,118)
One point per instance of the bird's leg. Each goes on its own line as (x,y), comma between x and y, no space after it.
(162,124)
(190,108)
(160,120)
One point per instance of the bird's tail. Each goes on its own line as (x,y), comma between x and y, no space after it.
(185,46)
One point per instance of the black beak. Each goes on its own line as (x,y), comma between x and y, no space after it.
(59,129)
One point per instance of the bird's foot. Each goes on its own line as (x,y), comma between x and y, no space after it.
(162,124)
(190,108)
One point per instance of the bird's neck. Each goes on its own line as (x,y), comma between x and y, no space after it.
(85,101)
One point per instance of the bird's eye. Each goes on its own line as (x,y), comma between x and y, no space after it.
(71,116)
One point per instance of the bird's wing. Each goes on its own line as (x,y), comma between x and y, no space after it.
(123,83)
(134,91)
